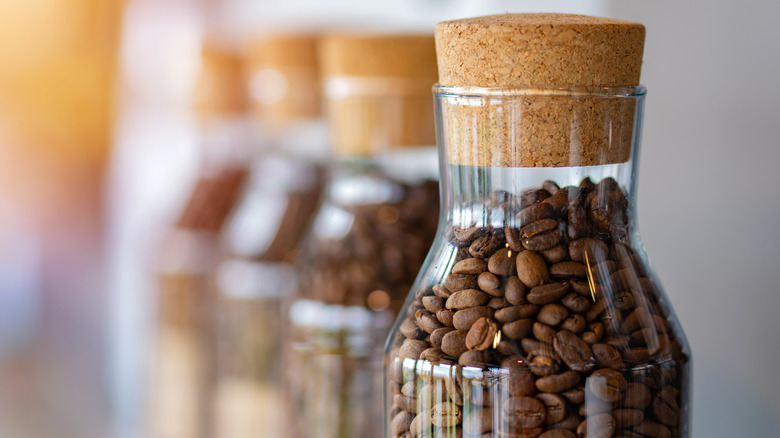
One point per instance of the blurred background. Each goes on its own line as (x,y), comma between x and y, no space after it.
(98,150)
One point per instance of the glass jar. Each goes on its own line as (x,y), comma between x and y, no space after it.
(369,236)
(537,312)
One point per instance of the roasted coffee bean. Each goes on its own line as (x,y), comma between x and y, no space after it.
(569,423)
(542,365)
(595,249)
(524,412)
(625,418)
(502,262)
(481,335)
(577,221)
(534,196)
(508,347)
(607,384)
(597,426)
(575,396)
(464,319)
(576,302)
(496,303)
(445,317)
(405,403)
(594,406)
(651,429)
(555,254)
(473,358)
(535,212)
(558,382)
(555,405)
(433,303)
(467,235)
(509,314)
(434,355)
(636,396)
(438,335)
(548,293)
(539,227)
(517,329)
(624,301)
(401,423)
(551,187)
(543,332)
(454,343)
(490,284)
(593,333)
(665,407)
(574,323)
(574,351)
(513,240)
(411,330)
(420,424)
(608,212)
(568,270)
(521,382)
(531,269)
(466,298)
(458,282)
(608,356)
(583,287)
(446,414)
(515,291)
(559,201)
(534,347)
(596,309)
(486,245)
(441,291)
(427,321)
(411,349)
(478,421)
(552,314)
(469,266)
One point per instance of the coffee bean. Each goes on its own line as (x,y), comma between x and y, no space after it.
(558,382)
(509,314)
(575,396)
(521,382)
(481,335)
(548,293)
(542,365)
(574,351)
(411,330)
(574,323)
(401,423)
(555,254)
(534,196)
(490,284)
(469,266)
(502,262)
(524,412)
(559,201)
(608,356)
(411,349)
(543,332)
(531,269)
(496,303)
(624,301)
(467,235)
(577,220)
(467,298)
(608,212)
(607,384)
(438,335)
(473,358)
(486,245)
(433,303)
(597,426)
(446,414)
(596,250)
(434,355)
(568,270)
(625,418)
(420,424)
(551,187)
(555,405)
(651,429)
(665,407)
(552,314)
(576,302)
(441,291)
(405,403)
(535,212)
(458,282)
(534,347)
(569,423)
(515,291)
(427,321)
(464,319)
(478,421)
(513,240)
(594,333)
(517,329)
(594,406)
(454,343)
(445,317)
(558,433)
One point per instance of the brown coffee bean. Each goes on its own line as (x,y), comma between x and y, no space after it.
(427,321)
(509,314)
(542,365)
(594,333)
(624,301)
(608,356)
(534,196)
(441,291)
(651,429)
(400,423)
(464,319)
(445,317)
(551,187)
(594,406)
(454,343)
(482,335)
(421,424)
(538,227)
(576,302)
(508,347)
(469,266)
(490,284)
(517,329)
(411,349)
(597,426)
(502,262)
(512,236)
(543,241)
(467,298)
(558,382)
(559,201)
(534,347)
(583,288)
(543,332)
(486,245)
(595,249)
(524,412)
(535,212)
(577,220)
(665,407)
(645,337)
(446,414)
(608,212)
(411,330)
(548,293)
(574,351)
(637,396)
(568,270)
(473,358)
(458,282)
(625,418)
(552,314)
(575,396)
(496,303)
(574,323)
(607,384)
(596,309)
(555,405)
(478,421)
(618,342)
(438,335)
(396,370)
(558,433)
(636,355)
(433,303)
(467,235)
(603,271)
(571,422)
(405,403)
(434,355)
(531,269)
(515,291)
(555,254)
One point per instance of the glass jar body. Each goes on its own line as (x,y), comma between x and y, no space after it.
(536,312)
(368,240)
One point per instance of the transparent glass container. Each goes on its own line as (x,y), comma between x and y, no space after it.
(537,312)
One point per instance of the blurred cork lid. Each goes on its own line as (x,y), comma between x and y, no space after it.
(520,50)
(283,76)
(220,90)
(378,90)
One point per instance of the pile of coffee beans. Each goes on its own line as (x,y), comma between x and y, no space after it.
(550,327)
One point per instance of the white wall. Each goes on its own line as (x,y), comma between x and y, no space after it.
(709,203)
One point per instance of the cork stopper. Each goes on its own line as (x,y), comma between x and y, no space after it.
(522,51)
(378,90)
(220,88)
(283,77)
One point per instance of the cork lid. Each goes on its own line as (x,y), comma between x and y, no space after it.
(220,90)
(378,91)
(283,76)
(521,50)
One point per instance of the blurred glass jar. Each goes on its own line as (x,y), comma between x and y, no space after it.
(537,312)
(260,238)
(369,235)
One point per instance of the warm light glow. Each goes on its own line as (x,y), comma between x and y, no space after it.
(591,284)
(496,339)
(378,300)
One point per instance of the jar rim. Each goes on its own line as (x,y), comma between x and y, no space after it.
(552,91)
